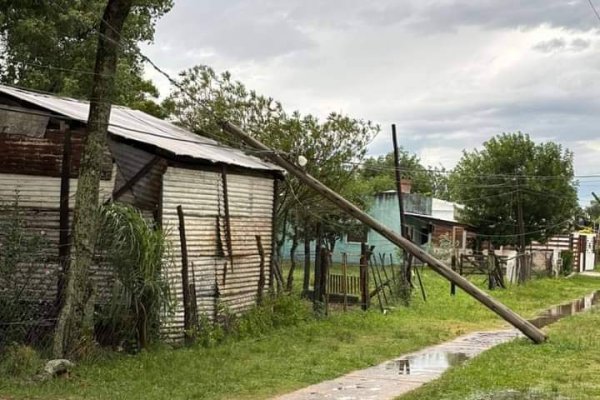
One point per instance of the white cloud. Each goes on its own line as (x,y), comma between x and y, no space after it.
(450,74)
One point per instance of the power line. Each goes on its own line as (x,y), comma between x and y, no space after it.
(596,13)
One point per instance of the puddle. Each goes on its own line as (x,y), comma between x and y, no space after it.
(437,361)
(564,310)
(428,363)
(391,379)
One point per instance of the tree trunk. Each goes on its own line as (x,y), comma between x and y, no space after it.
(69,329)
(290,278)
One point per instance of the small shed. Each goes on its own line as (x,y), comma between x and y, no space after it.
(227,196)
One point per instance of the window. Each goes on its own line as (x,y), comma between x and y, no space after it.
(358,235)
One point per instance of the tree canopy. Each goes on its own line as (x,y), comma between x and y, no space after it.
(379,174)
(331,145)
(512,170)
(50,46)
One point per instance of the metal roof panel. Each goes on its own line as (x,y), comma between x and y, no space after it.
(144,128)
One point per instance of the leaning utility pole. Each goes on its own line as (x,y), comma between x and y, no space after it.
(514,319)
(70,326)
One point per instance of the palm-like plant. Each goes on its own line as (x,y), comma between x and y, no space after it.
(137,251)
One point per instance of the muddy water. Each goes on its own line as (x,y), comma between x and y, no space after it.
(404,374)
(564,310)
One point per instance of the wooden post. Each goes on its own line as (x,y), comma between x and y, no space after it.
(535,334)
(261,268)
(185,281)
(364,277)
(193,300)
(378,286)
(317,284)
(306,280)
(325,278)
(407,262)
(63,241)
(420,283)
(452,284)
(227,216)
(381,282)
(345,279)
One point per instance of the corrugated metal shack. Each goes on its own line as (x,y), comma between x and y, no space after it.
(227,196)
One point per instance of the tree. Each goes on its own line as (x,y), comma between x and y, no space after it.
(379,174)
(70,330)
(203,99)
(50,46)
(512,173)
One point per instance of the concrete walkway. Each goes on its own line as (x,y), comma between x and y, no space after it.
(405,373)
(594,274)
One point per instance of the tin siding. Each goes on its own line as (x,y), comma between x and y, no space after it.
(145,193)
(200,193)
(39,201)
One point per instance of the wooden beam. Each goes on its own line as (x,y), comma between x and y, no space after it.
(63,241)
(135,179)
(535,334)
(227,216)
(185,280)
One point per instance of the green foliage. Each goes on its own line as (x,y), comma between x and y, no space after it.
(380,175)
(137,251)
(331,146)
(20,361)
(566,263)
(51,46)
(316,350)
(277,311)
(512,169)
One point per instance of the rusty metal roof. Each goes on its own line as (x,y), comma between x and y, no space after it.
(140,127)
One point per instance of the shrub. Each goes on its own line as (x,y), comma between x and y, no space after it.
(20,361)
(566,265)
(136,249)
(22,255)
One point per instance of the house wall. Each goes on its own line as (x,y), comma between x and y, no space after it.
(385,210)
(202,197)
(39,203)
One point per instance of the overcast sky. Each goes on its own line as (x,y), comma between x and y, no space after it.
(449,73)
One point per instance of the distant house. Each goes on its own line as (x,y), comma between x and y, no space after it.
(428,220)
(227,196)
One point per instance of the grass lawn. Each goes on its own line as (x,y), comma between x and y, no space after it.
(296,356)
(567,365)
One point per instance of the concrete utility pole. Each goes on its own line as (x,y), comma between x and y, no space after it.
(514,319)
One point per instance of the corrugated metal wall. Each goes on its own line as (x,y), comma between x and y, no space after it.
(200,193)
(39,201)
(145,194)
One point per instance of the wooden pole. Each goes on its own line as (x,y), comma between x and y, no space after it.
(378,286)
(261,268)
(185,280)
(364,278)
(535,334)
(345,279)
(406,276)
(306,280)
(452,284)
(63,241)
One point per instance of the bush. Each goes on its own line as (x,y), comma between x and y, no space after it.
(20,361)
(25,304)
(136,250)
(566,265)
(276,312)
